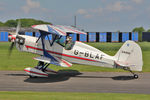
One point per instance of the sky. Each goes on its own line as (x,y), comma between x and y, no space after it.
(91,15)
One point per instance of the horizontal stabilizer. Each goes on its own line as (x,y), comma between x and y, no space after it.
(124,64)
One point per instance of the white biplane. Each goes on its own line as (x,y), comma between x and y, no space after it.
(65,52)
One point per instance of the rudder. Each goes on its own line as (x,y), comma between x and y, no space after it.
(130,55)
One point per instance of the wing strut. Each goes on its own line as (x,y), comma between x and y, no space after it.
(45,53)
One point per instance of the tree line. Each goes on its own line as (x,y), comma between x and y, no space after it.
(140,30)
(24,22)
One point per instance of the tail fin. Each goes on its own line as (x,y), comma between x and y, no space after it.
(130,55)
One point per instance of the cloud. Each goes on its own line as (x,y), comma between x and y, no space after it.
(88,16)
(30,5)
(88,13)
(138,1)
(82,11)
(1,8)
(118,6)
(97,10)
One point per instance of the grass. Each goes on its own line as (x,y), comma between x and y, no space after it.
(70,96)
(20,60)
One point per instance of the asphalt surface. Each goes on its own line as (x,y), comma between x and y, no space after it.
(74,81)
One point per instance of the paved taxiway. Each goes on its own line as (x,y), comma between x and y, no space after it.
(74,81)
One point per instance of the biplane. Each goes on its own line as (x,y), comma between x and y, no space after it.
(64,52)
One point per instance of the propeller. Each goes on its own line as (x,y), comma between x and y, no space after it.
(12,37)
(11,48)
(18,27)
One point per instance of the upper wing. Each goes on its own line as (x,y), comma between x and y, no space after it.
(58,61)
(58,29)
(70,29)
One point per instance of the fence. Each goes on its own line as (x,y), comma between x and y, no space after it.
(115,37)
(4,36)
(103,37)
(92,36)
(134,36)
(82,37)
(125,36)
(146,36)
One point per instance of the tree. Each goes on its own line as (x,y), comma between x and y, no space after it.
(1,24)
(139,30)
(11,23)
(148,30)
(25,22)
(118,31)
(29,22)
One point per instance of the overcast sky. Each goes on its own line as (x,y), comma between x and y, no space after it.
(92,15)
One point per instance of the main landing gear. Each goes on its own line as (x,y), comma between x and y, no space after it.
(41,70)
(128,69)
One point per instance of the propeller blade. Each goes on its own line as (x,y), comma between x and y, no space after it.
(11,48)
(18,27)
(14,37)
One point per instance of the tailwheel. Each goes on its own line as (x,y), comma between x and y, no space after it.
(134,75)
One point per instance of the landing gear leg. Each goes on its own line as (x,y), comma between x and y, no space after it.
(43,67)
(39,65)
(134,75)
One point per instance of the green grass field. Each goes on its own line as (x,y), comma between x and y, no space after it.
(20,60)
(70,96)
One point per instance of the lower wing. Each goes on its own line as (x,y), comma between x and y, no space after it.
(58,61)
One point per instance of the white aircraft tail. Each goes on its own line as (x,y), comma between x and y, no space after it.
(129,55)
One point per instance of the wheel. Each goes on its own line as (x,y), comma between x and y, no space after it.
(136,76)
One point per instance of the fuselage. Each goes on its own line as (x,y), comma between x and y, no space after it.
(80,53)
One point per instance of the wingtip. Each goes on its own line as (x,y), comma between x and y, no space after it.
(33,26)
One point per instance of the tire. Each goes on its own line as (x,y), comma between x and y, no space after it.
(136,76)
(33,76)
